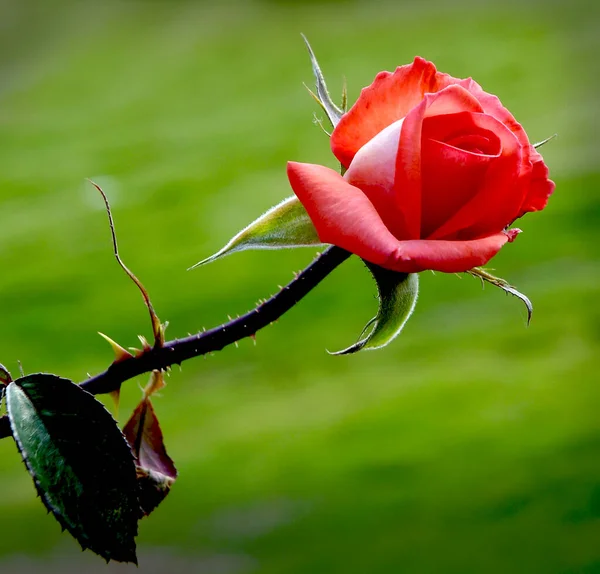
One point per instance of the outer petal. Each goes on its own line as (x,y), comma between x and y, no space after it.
(493,106)
(540,187)
(446,256)
(408,182)
(388,99)
(373,171)
(341,213)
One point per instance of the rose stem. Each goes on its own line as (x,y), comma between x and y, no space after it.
(179,350)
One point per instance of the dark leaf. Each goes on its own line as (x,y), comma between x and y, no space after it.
(155,469)
(80,462)
(397,299)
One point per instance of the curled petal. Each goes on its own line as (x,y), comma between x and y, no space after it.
(389,98)
(493,106)
(446,256)
(373,170)
(500,192)
(408,182)
(540,187)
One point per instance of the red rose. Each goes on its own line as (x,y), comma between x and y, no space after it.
(437,169)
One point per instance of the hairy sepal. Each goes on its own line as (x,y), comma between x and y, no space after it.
(322,96)
(398,293)
(284,226)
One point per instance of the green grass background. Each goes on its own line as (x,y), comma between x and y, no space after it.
(469,445)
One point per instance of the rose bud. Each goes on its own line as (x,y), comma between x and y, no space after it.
(436,171)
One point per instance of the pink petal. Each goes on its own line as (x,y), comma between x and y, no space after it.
(408,182)
(540,187)
(499,194)
(373,170)
(446,256)
(493,106)
(388,99)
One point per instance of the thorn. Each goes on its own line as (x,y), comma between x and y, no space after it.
(253,337)
(144,342)
(236,345)
(120,353)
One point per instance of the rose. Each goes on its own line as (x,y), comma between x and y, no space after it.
(437,169)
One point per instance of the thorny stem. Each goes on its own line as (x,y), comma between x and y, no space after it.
(179,350)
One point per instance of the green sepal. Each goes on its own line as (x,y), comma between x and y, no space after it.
(283,226)
(80,463)
(486,276)
(398,294)
(322,96)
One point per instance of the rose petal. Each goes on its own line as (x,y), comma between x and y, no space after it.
(408,182)
(373,170)
(452,176)
(446,256)
(341,213)
(493,106)
(500,192)
(540,187)
(388,99)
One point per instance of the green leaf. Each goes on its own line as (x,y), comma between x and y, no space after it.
(397,299)
(285,225)
(80,462)
(322,96)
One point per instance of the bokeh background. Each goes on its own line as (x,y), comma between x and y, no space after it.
(469,445)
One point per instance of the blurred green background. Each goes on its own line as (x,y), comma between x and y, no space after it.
(469,445)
